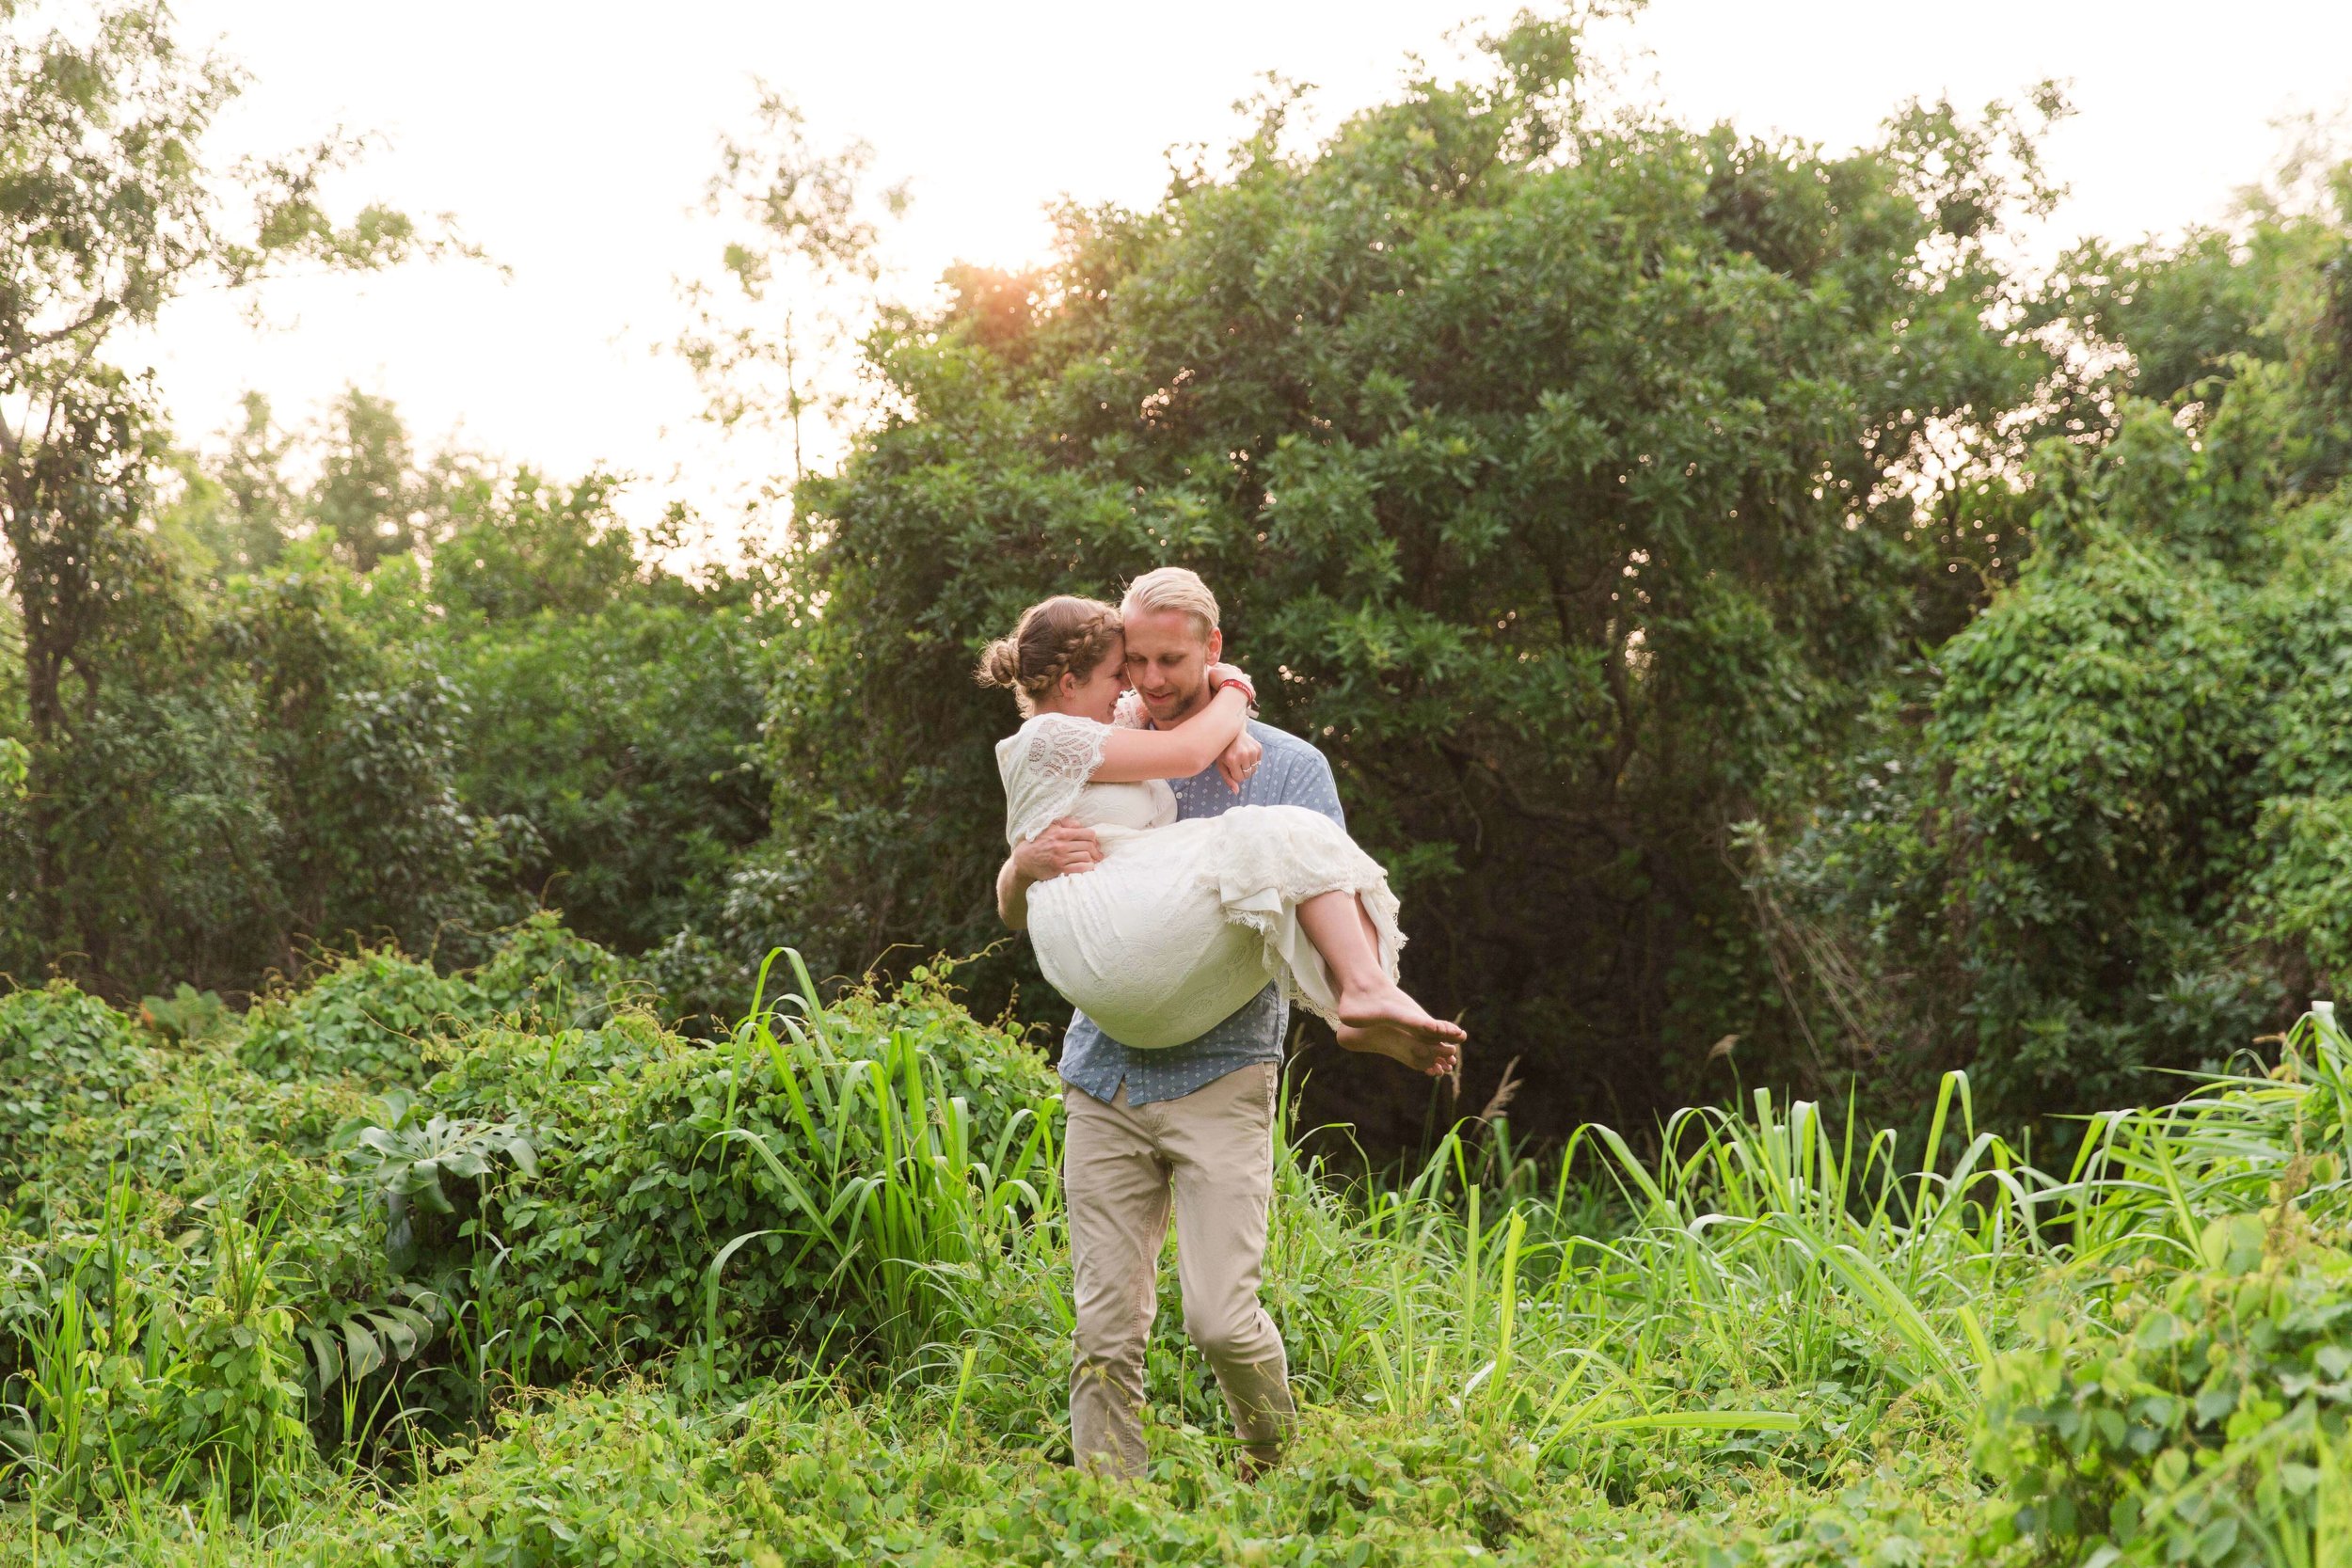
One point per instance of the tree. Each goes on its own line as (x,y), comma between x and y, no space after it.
(1565,479)
(621,741)
(524,546)
(613,709)
(762,340)
(2103,831)
(107,212)
(360,745)
(232,513)
(372,499)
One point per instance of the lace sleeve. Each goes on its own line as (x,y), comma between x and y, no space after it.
(1044,769)
(1129,714)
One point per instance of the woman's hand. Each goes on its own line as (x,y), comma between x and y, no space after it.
(1223,675)
(1239,760)
(1190,748)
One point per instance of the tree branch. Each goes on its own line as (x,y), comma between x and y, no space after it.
(91,318)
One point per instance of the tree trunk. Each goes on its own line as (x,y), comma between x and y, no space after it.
(51,631)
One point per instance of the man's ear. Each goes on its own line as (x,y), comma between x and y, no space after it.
(1216,644)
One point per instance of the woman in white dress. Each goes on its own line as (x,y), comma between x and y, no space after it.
(1181,922)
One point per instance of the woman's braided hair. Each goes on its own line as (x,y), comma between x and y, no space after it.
(1062,636)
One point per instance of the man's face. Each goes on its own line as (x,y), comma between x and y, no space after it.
(1167,663)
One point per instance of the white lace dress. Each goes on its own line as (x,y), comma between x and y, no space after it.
(1181,922)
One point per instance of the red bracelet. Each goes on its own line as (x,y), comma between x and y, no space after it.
(1241,684)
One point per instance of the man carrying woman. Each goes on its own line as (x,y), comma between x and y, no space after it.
(1184,873)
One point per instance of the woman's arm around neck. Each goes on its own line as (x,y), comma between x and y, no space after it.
(1131,757)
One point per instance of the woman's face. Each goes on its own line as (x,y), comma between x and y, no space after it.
(1095,696)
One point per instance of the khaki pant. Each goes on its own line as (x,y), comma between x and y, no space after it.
(1214,1147)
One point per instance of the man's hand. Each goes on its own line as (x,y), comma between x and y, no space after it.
(1239,761)
(1068,846)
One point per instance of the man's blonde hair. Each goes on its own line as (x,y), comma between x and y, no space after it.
(1172,588)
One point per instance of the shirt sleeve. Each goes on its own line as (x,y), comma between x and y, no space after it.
(1308,782)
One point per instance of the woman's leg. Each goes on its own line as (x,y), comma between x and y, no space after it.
(1375,1012)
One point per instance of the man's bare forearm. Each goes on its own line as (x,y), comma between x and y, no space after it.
(1066,846)
(1012,896)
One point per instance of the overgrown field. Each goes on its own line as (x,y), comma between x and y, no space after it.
(491,1268)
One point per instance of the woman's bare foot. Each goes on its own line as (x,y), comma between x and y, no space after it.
(1419,1051)
(1388,1006)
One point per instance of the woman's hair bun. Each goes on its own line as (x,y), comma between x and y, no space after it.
(1000,663)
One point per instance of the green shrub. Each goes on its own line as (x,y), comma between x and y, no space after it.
(2200,1417)
(63,1054)
(856,1162)
(189,1015)
(410,1162)
(236,1372)
(368,1018)
(373,1017)
(598,1478)
(544,973)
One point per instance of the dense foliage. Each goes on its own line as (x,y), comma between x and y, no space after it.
(1560,474)
(317,689)
(1750,618)
(342,758)
(301,754)
(559,1280)
(2103,829)
(413,1177)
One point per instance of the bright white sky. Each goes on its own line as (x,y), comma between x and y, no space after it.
(572,141)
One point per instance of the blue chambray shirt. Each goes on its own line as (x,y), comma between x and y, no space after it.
(1291,773)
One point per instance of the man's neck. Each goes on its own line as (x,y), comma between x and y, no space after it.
(1190,708)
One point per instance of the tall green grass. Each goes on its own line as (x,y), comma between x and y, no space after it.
(1758,1318)
(1760,1265)
(891,1177)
